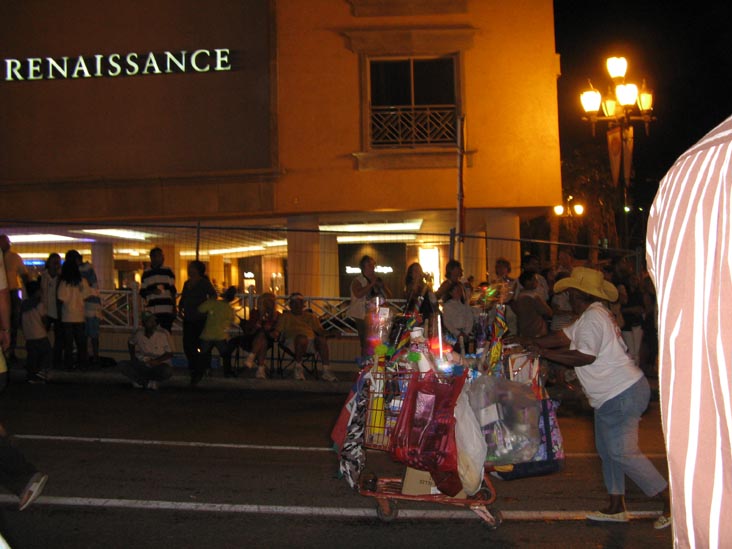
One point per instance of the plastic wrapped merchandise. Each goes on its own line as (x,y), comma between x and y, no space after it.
(508,414)
(471,445)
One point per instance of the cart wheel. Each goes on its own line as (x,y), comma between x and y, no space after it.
(486,494)
(497,519)
(387,509)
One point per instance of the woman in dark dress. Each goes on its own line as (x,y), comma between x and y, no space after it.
(196,290)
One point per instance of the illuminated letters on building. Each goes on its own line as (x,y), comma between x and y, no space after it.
(116,64)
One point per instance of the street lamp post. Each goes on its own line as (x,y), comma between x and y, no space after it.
(621,107)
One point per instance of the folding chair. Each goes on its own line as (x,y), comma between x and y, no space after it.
(286,359)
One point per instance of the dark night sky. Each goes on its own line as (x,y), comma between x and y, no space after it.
(685,54)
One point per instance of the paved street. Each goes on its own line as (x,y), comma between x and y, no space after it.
(227,466)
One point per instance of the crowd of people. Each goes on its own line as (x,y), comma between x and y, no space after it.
(59,315)
(60,311)
(600,323)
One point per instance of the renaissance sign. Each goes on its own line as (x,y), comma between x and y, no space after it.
(116,64)
(127,96)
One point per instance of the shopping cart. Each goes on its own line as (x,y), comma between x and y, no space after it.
(386,392)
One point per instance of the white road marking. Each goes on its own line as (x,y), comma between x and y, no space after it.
(141,442)
(332,512)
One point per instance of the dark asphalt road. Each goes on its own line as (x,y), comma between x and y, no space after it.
(209,467)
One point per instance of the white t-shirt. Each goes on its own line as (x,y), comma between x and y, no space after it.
(595,333)
(148,348)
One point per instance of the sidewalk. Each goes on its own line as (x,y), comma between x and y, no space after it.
(215,380)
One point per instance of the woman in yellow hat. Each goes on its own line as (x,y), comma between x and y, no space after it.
(615,387)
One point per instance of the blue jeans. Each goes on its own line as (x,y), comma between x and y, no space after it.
(616,439)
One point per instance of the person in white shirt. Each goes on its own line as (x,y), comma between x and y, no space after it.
(49,283)
(615,387)
(150,355)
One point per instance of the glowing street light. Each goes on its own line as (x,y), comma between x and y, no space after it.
(623,105)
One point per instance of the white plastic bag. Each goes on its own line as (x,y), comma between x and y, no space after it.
(471,445)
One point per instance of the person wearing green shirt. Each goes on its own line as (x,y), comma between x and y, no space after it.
(220,319)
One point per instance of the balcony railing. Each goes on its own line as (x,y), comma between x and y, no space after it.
(419,125)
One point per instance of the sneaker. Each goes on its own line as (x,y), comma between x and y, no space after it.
(137,385)
(36,379)
(32,490)
(328,375)
(261,373)
(599,516)
(249,361)
(152,385)
(299,373)
(664,521)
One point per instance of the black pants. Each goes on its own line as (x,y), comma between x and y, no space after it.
(225,349)
(192,330)
(39,355)
(14,321)
(75,333)
(15,470)
(55,326)
(141,373)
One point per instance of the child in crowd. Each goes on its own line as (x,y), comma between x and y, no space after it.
(37,344)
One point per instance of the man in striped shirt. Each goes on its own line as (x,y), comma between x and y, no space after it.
(689,259)
(157,288)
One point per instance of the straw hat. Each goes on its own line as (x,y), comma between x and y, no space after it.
(590,282)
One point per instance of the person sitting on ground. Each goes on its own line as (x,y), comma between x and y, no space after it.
(259,332)
(302,332)
(37,345)
(150,355)
(220,319)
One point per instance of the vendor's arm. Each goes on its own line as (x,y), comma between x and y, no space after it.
(567,357)
(555,347)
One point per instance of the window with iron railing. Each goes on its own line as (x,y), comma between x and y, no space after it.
(412,102)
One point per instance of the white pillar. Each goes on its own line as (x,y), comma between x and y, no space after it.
(329,279)
(303,256)
(102,259)
(503,225)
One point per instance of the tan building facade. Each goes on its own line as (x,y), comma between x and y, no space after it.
(287,113)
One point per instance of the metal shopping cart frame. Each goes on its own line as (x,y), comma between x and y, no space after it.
(385,393)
